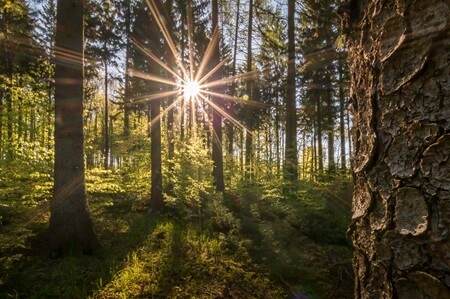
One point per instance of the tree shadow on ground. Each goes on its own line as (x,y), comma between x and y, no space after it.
(307,257)
(28,272)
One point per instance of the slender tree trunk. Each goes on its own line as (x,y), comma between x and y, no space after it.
(319,154)
(233,86)
(249,120)
(106,145)
(127,92)
(183,42)
(400,72)
(217,152)
(342,103)
(170,114)
(277,131)
(20,110)
(9,84)
(330,122)
(70,229)
(291,159)
(156,200)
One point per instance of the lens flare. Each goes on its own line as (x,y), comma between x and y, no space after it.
(191,89)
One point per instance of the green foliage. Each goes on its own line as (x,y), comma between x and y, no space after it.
(25,180)
(103,182)
(135,173)
(191,178)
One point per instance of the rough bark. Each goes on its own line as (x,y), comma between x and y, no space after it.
(70,229)
(399,58)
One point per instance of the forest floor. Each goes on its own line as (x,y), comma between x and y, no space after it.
(252,243)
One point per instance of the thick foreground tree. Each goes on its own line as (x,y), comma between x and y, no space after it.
(399,55)
(70,229)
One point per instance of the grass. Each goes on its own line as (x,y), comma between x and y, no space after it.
(249,245)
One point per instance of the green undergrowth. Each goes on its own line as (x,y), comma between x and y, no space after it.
(251,243)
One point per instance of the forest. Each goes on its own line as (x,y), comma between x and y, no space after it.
(224,149)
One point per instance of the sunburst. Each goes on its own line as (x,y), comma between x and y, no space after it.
(192,86)
(191,89)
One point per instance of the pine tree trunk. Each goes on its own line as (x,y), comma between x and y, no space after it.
(330,122)
(127,92)
(106,120)
(399,58)
(342,103)
(156,200)
(217,155)
(319,126)
(231,110)
(170,114)
(291,159)
(70,229)
(249,114)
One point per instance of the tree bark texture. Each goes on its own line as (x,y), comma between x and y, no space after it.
(399,58)
(70,229)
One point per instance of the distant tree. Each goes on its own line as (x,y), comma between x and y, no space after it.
(105,43)
(16,52)
(291,159)
(399,59)
(249,114)
(217,149)
(70,229)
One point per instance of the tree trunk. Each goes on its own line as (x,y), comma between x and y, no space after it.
(70,229)
(156,200)
(106,136)
(170,114)
(291,159)
(231,110)
(127,92)
(399,58)
(249,120)
(217,155)
(330,121)
(342,103)
(319,154)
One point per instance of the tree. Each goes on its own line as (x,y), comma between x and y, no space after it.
(249,89)
(15,48)
(217,155)
(105,44)
(70,229)
(291,159)
(399,61)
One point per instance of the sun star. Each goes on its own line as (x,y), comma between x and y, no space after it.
(191,89)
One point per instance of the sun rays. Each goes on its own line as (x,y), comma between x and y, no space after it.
(191,89)
(193,84)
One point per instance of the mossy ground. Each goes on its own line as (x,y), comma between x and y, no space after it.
(249,244)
